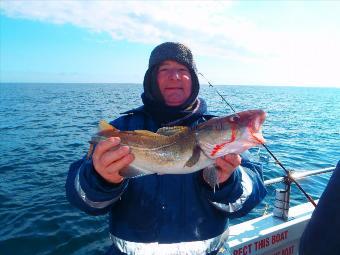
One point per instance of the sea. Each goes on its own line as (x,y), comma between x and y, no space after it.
(45,127)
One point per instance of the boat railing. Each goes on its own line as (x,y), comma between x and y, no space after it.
(282,196)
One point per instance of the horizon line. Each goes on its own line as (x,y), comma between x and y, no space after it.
(202,84)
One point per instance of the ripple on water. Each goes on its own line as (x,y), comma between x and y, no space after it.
(44,128)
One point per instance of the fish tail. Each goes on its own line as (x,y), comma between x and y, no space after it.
(105,126)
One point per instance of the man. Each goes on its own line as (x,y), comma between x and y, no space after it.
(321,235)
(164,214)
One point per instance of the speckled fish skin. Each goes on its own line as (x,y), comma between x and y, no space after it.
(181,150)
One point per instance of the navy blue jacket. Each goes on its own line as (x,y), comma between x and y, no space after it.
(164,208)
(321,235)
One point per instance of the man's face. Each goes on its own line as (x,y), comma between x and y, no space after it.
(174,81)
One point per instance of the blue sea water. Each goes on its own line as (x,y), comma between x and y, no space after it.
(44,127)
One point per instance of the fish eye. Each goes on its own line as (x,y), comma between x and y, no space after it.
(234,118)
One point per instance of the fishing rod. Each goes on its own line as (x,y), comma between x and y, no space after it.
(289,178)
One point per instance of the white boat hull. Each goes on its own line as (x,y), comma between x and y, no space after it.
(269,235)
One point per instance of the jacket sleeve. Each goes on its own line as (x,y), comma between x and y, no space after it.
(88,191)
(240,193)
(321,235)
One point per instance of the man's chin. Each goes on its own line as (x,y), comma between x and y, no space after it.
(176,99)
(174,102)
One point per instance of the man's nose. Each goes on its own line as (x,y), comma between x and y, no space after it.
(174,74)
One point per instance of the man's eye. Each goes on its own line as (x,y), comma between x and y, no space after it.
(183,70)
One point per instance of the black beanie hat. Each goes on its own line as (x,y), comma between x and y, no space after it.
(169,51)
(172,51)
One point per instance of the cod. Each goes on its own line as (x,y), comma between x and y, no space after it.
(183,150)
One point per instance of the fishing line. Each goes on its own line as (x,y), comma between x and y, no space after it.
(211,86)
(288,175)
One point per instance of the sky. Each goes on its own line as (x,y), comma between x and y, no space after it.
(285,43)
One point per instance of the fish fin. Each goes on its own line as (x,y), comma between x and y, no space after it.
(133,172)
(169,131)
(146,133)
(194,157)
(105,126)
(210,176)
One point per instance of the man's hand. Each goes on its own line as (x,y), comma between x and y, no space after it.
(226,165)
(108,160)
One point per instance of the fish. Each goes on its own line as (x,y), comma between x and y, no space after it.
(184,150)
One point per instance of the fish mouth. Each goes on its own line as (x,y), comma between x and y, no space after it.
(256,128)
(258,138)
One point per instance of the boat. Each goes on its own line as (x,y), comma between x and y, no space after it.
(279,232)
